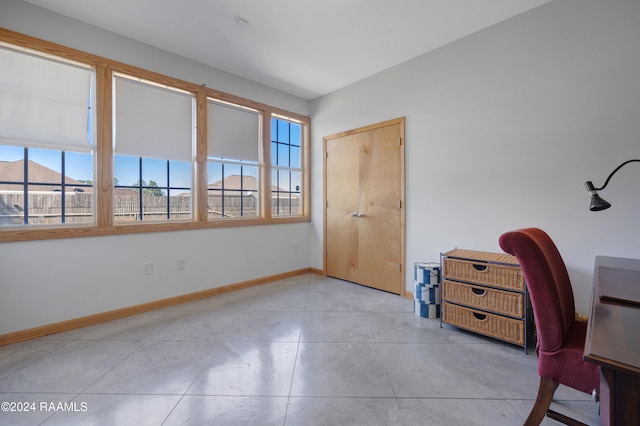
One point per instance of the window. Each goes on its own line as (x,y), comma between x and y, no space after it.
(286,167)
(161,190)
(44,197)
(233,141)
(99,144)
(46,139)
(154,137)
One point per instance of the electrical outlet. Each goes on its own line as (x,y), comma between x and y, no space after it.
(148,268)
(294,247)
(180,263)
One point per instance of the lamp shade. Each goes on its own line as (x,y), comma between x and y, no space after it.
(597,203)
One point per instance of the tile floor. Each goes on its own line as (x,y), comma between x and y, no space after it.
(307,350)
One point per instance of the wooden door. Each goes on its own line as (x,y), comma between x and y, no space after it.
(364,219)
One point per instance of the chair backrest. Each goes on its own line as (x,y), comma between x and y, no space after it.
(547,282)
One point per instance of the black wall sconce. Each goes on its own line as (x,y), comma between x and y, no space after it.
(598,203)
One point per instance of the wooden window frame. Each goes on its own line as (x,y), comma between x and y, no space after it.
(103,185)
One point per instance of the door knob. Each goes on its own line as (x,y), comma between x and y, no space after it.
(354,214)
(360,214)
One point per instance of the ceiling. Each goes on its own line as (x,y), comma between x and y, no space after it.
(303,47)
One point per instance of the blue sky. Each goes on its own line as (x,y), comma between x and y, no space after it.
(126,170)
(78,165)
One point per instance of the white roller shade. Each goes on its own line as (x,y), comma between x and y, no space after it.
(43,102)
(152,121)
(232,132)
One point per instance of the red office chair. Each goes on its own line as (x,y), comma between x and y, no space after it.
(560,337)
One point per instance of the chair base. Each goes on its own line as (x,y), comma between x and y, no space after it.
(543,402)
(564,419)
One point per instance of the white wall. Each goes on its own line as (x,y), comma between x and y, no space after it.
(502,130)
(42,282)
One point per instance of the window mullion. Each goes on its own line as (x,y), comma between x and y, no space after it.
(289,146)
(277,191)
(266,208)
(224,210)
(140,189)
(201,193)
(290,189)
(103,181)
(25,207)
(168,192)
(63,189)
(241,191)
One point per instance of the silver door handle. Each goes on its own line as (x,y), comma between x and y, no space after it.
(360,214)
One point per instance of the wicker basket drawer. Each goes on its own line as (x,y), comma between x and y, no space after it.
(499,301)
(509,329)
(503,276)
